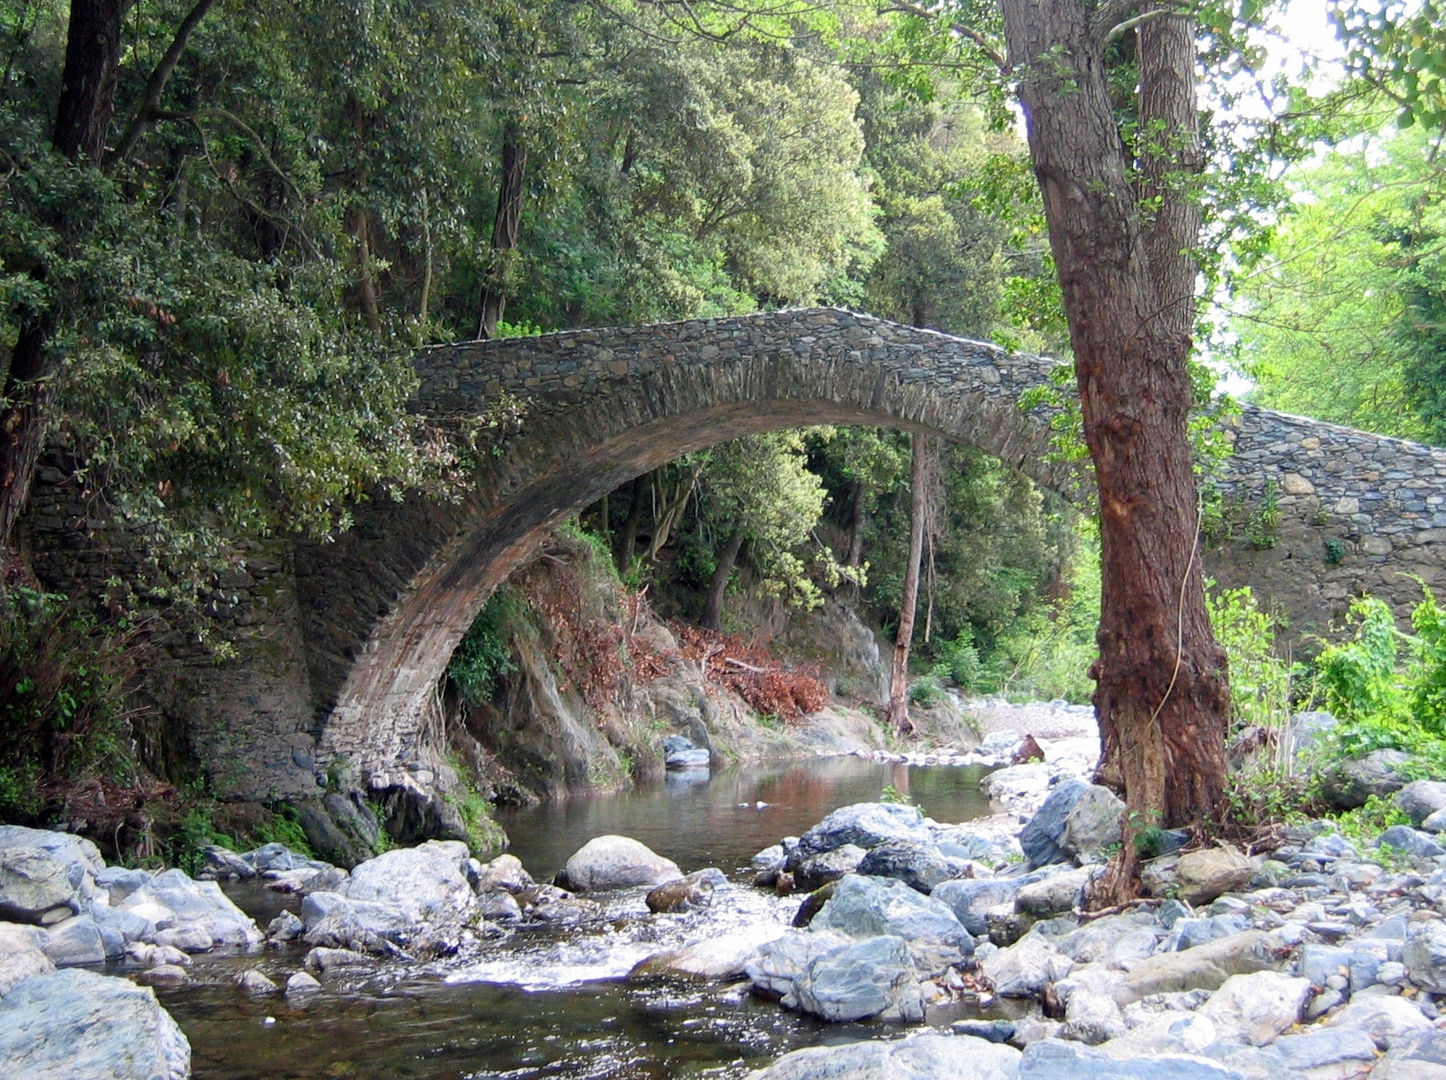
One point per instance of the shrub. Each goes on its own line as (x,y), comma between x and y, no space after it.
(927,691)
(484,654)
(1260,681)
(63,684)
(959,660)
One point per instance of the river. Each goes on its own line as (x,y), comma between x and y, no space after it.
(555,1004)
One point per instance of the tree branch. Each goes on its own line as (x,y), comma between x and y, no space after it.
(905,7)
(1116,17)
(148,112)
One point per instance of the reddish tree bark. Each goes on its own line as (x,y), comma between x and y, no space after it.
(1128,283)
(718,584)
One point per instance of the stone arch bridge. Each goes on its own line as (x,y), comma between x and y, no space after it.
(341,646)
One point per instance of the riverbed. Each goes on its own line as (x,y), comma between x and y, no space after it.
(556,1004)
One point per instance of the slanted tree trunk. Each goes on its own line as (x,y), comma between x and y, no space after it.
(858,493)
(628,547)
(718,584)
(82,123)
(505,229)
(1128,286)
(898,709)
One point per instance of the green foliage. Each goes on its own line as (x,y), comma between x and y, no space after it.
(959,660)
(1260,681)
(1363,824)
(891,794)
(196,832)
(283,826)
(484,654)
(63,681)
(1358,677)
(927,691)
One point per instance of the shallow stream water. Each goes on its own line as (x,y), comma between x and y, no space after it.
(555,1004)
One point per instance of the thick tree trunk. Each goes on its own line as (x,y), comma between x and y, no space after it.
(87,93)
(360,227)
(1161,692)
(505,229)
(898,710)
(87,101)
(718,584)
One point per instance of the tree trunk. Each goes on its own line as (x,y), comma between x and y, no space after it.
(87,93)
(87,100)
(360,229)
(718,585)
(859,494)
(1128,287)
(628,550)
(898,710)
(505,228)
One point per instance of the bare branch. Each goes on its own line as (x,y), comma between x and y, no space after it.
(905,7)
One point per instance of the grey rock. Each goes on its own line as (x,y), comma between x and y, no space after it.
(1093,826)
(1436,823)
(1205,967)
(76,941)
(80,855)
(1054,1059)
(1326,1046)
(1201,876)
(224,864)
(125,925)
(1256,1008)
(77,1025)
(324,961)
(119,882)
(1041,837)
(995,1031)
(698,758)
(920,866)
(1418,1057)
(1421,798)
(302,983)
(865,825)
(17,965)
(776,964)
(506,873)
(285,927)
(1305,734)
(1026,967)
(1414,843)
(36,886)
(1091,1013)
(724,957)
(1387,1020)
(686,894)
(1348,784)
(1188,933)
(818,870)
(864,907)
(675,744)
(970,898)
(1425,955)
(617,862)
(923,1057)
(254,982)
(191,938)
(770,858)
(200,904)
(870,978)
(427,884)
(163,975)
(1053,895)
(1114,938)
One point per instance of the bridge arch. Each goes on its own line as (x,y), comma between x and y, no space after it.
(385,606)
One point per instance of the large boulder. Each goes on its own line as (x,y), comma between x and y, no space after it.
(1413,842)
(866,979)
(924,1057)
(970,898)
(1420,799)
(864,907)
(1093,826)
(1419,1057)
(1349,783)
(173,901)
(1425,955)
(1349,1051)
(617,862)
(723,957)
(1040,839)
(78,853)
(1091,1013)
(775,965)
(1256,1008)
(866,825)
(920,866)
(77,1025)
(1206,875)
(428,883)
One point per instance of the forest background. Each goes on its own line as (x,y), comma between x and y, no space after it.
(288,199)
